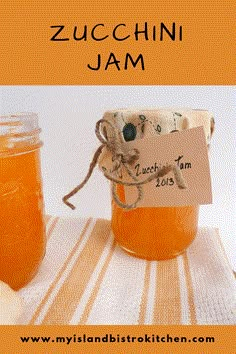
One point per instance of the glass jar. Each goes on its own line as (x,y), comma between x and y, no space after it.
(22,228)
(155,233)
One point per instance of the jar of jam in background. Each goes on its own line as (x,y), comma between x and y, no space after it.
(154,233)
(22,228)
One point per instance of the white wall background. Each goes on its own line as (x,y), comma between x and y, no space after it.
(68,115)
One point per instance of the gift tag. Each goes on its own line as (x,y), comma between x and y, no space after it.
(186,149)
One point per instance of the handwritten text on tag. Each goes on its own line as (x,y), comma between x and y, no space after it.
(188,150)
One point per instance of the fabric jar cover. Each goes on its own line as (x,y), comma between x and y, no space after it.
(151,122)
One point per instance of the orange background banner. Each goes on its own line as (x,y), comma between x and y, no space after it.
(204,55)
(162,339)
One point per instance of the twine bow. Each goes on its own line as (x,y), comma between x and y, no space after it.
(121,158)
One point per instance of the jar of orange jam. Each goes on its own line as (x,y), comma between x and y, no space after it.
(22,229)
(154,233)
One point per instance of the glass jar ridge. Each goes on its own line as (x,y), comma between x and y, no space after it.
(19,132)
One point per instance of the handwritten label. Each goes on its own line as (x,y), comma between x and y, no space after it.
(186,149)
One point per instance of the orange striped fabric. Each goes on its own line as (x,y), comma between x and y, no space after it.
(86,278)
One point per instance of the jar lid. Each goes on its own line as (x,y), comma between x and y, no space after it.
(138,123)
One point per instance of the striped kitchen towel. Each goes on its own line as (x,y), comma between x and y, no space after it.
(85,278)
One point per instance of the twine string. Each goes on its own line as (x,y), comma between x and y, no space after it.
(121,159)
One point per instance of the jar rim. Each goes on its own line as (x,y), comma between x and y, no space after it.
(19,115)
(19,132)
(18,123)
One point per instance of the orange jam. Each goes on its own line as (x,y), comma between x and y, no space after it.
(22,232)
(154,233)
